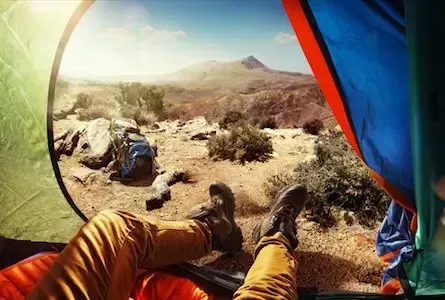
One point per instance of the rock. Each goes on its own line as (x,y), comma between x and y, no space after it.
(202,135)
(173,177)
(198,122)
(309,158)
(350,218)
(65,106)
(62,135)
(154,126)
(269,131)
(154,202)
(96,144)
(60,115)
(82,174)
(180,124)
(58,148)
(161,188)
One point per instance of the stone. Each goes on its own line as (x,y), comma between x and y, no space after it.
(96,146)
(154,202)
(309,158)
(202,135)
(64,106)
(82,174)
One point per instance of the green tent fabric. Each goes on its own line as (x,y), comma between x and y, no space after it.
(425,32)
(32,203)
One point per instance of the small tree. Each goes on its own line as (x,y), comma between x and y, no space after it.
(148,98)
(231,118)
(83,100)
(314,126)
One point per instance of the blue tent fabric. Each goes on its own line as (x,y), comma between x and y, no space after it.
(373,78)
(395,237)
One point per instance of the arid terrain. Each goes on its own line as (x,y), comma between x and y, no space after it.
(339,258)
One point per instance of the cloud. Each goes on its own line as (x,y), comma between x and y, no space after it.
(143,34)
(285,38)
(160,34)
(120,34)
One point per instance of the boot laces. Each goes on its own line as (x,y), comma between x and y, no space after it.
(284,213)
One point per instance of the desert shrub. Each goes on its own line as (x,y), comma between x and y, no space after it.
(268,122)
(232,118)
(243,144)
(140,116)
(147,97)
(336,180)
(314,126)
(83,100)
(146,118)
(95,112)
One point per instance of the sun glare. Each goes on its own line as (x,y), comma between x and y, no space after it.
(50,6)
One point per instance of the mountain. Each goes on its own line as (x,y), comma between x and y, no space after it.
(211,88)
(239,75)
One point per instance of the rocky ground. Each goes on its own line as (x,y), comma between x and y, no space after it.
(341,258)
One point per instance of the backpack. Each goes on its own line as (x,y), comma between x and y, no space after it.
(132,152)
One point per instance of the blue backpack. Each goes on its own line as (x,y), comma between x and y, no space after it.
(131,150)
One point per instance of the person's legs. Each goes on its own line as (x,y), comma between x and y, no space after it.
(102,260)
(273,275)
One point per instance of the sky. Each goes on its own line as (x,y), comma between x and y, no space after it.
(162,36)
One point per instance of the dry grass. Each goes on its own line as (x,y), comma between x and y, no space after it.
(95,112)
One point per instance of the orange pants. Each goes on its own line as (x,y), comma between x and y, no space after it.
(103,259)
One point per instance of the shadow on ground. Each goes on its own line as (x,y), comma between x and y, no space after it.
(315,270)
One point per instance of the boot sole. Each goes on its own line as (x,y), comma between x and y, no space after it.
(219,188)
(234,241)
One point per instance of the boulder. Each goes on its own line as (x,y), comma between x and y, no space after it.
(64,106)
(154,202)
(201,135)
(95,144)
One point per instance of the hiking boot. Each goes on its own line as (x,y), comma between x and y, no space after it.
(289,202)
(219,215)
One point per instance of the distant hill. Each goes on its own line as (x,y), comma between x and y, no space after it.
(212,87)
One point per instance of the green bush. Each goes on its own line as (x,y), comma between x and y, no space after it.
(314,126)
(336,180)
(146,97)
(141,117)
(83,100)
(232,118)
(244,144)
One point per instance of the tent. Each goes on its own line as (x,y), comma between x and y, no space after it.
(379,64)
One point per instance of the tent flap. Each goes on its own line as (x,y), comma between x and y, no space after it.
(32,205)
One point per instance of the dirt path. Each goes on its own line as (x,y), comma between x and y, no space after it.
(341,258)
